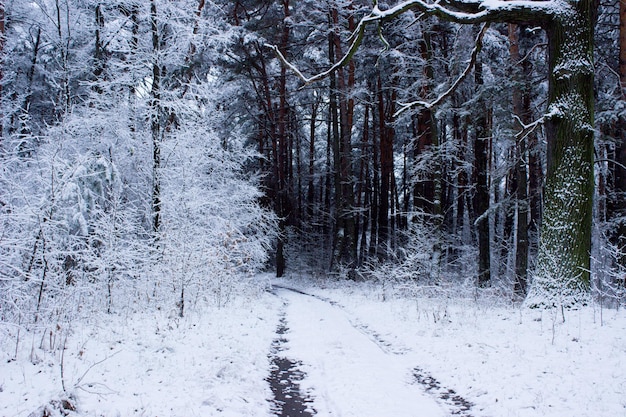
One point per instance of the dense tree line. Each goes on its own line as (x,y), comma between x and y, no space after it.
(170,147)
(473,145)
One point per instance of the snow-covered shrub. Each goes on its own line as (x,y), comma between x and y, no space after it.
(608,274)
(214,229)
(416,263)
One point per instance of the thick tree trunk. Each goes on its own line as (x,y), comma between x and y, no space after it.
(362,203)
(426,133)
(367,188)
(562,272)
(386,170)
(375,184)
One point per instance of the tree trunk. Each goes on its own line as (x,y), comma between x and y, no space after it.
(365,187)
(373,247)
(426,134)
(99,52)
(155,120)
(521,174)
(481,181)
(463,211)
(26,147)
(334,136)
(562,272)
(345,249)
(386,170)
(282,152)
(64,50)
(310,196)
(618,206)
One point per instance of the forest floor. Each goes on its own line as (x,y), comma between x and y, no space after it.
(338,349)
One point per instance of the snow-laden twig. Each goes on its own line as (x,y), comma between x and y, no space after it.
(529,53)
(470,65)
(477,11)
(356,37)
(93,365)
(610,161)
(527,129)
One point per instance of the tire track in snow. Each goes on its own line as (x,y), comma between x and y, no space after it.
(285,377)
(374,336)
(457,405)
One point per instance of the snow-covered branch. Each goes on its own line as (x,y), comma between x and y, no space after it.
(357,37)
(459,11)
(476,11)
(453,87)
(527,129)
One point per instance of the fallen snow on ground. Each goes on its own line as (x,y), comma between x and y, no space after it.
(359,357)
(347,373)
(508,361)
(147,364)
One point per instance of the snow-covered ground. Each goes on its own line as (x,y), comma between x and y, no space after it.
(360,355)
(508,361)
(150,363)
(347,372)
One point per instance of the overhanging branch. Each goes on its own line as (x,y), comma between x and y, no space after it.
(527,129)
(419,103)
(357,37)
(469,12)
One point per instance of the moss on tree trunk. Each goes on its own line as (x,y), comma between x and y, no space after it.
(562,271)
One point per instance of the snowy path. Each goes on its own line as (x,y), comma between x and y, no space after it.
(347,371)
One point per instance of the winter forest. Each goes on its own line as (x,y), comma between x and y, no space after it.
(212,168)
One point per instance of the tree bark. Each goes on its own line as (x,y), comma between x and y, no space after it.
(364,188)
(155,120)
(563,262)
(386,170)
(345,248)
(310,198)
(521,173)
(481,182)
(373,247)
(282,206)
(99,52)
(618,206)
(424,191)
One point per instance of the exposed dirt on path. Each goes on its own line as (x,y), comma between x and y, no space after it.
(458,405)
(284,380)
(287,373)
